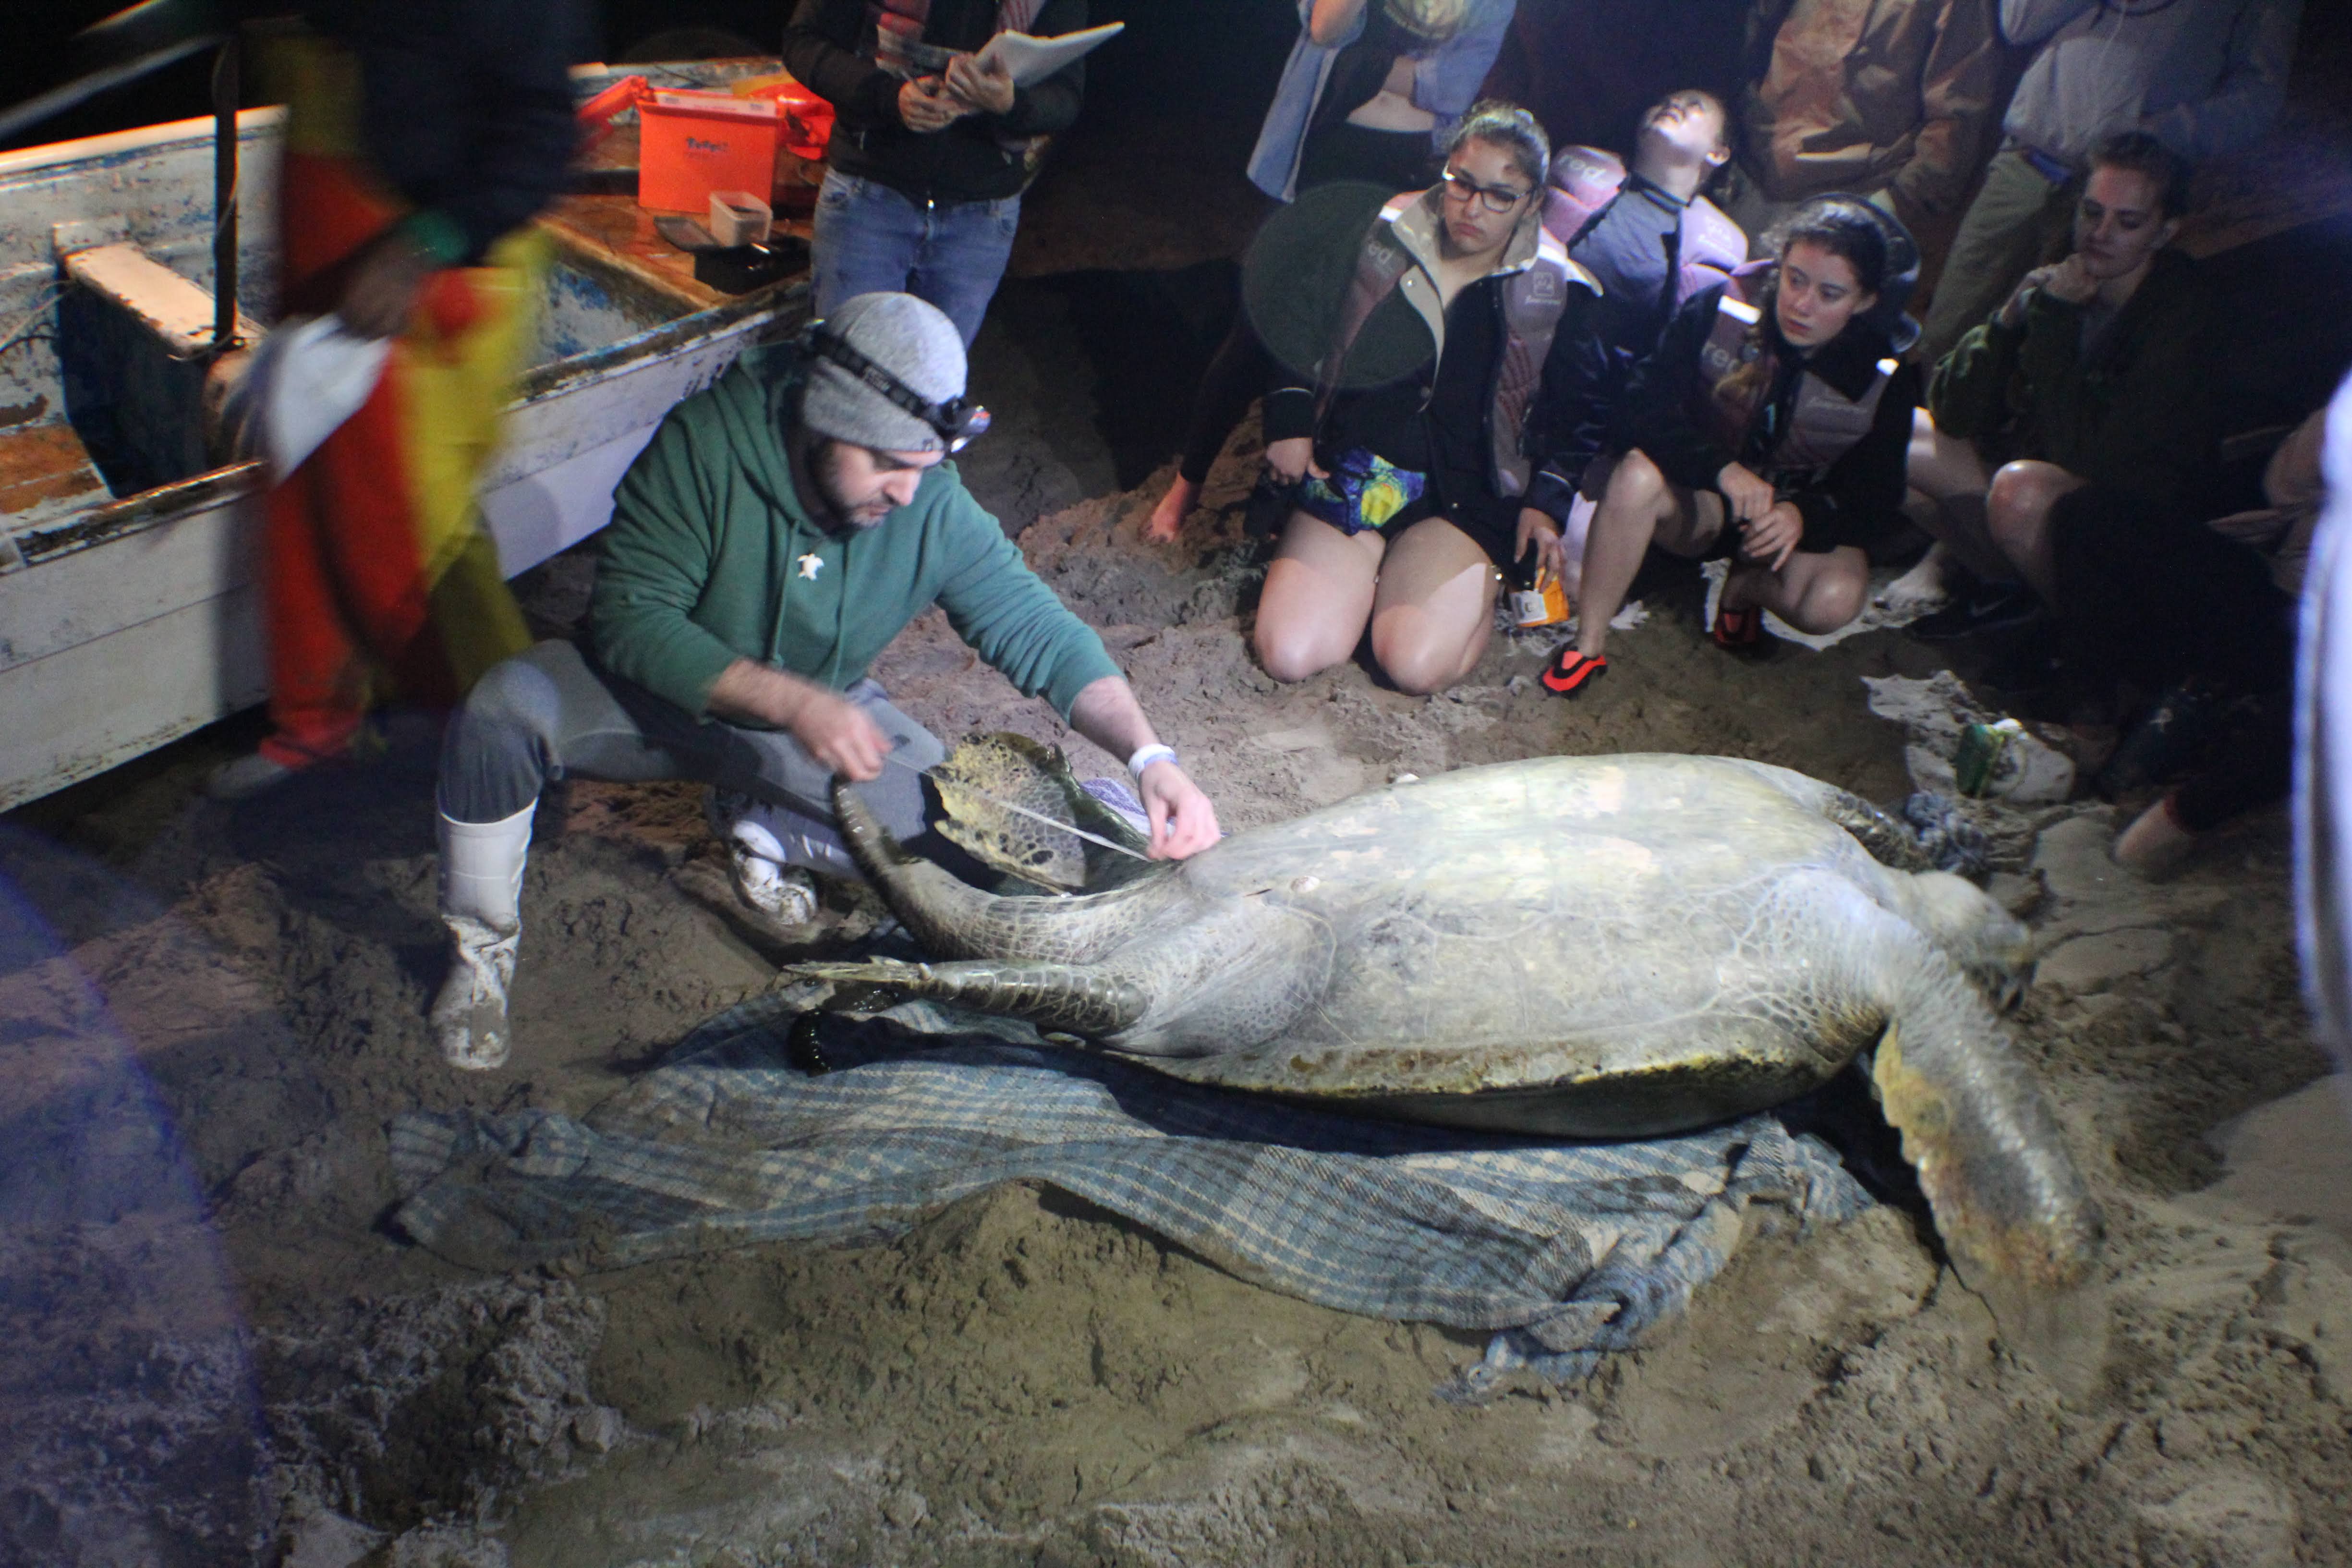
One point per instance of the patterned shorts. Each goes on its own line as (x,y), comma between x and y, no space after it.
(1363,491)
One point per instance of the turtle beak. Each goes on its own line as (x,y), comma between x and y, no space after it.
(2012,989)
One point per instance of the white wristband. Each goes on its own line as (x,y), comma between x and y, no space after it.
(1146,755)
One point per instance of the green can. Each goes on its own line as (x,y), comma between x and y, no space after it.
(1978,757)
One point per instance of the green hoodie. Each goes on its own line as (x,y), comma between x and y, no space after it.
(707,561)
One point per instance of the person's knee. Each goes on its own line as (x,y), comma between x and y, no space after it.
(494,758)
(1832,601)
(1414,661)
(2018,503)
(515,697)
(1289,653)
(1635,483)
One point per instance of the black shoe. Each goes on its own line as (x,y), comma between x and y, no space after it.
(1997,606)
(2163,745)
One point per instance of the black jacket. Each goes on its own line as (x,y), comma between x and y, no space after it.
(829,46)
(1861,495)
(1433,417)
(465,105)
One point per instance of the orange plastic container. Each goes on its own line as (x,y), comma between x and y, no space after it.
(692,143)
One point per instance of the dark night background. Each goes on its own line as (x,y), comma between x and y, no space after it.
(1227,51)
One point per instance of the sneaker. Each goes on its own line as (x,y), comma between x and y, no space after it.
(2162,745)
(1570,672)
(764,882)
(1739,631)
(254,774)
(786,895)
(1994,607)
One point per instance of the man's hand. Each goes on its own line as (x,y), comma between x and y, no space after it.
(839,734)
(1293,459)
(926,107)
(1747,495)
(1537,529)
(1184,823)
(385,283)
(988,88)
(834,731)
(1771,538)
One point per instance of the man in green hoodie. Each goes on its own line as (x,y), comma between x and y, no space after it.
(779,529)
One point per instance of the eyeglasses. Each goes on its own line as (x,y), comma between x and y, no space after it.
(1494,198)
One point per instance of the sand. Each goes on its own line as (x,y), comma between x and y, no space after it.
(219,1352)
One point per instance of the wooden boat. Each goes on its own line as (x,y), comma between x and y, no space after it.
(127,599)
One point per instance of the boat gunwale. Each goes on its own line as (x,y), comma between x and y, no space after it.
(58,156)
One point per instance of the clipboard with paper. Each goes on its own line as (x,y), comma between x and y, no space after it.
(1029,59)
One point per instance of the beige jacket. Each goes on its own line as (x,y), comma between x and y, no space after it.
(1865,95)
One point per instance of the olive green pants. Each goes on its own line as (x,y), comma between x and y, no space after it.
(2017,216)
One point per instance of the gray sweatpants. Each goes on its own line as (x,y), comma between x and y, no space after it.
(549,713)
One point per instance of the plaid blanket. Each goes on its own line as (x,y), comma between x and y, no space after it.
(771,1124)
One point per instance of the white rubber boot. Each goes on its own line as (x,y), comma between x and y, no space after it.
(481,903)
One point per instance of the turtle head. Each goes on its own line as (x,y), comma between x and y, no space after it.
(1002,796)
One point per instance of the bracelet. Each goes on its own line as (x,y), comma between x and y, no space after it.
(1146,755)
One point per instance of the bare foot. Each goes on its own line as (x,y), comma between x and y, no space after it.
(2155,845)
(1173,509)
(1916,592)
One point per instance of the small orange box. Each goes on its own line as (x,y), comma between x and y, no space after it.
(692,143)
(808,118)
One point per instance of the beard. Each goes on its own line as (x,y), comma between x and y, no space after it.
(832,489)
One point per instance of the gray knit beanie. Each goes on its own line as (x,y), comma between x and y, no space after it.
(910,338)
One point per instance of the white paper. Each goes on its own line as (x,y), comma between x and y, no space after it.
(1031,61)
(307,378)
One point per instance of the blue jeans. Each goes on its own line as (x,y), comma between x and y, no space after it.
(871,238)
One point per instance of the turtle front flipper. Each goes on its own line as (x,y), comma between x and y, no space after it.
(2023,1232)
(1991,1161)
(1078,999)
(2020,1225)
(955,920)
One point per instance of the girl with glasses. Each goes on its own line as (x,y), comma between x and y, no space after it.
(1372,92)
(1427,358)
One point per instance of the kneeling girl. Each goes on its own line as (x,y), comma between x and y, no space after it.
(1414,485)
(1771,425)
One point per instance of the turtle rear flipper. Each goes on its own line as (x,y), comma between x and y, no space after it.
(1079,999)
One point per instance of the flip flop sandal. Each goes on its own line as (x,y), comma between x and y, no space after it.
(1739,631)
(1570,672)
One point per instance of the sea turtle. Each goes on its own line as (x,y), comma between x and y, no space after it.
(1603,946)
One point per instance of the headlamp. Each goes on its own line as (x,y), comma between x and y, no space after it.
(956,420)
